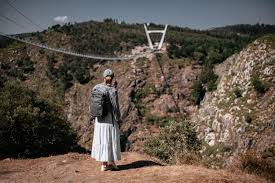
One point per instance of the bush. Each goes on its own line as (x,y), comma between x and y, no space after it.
(197,92)
(82,75)
(30,126)
(248,118)
(252,163)
(68,72)
(260,86)
(209,78)
(175,140)
(237,92)
(5,42)
(19,69)
(25,64)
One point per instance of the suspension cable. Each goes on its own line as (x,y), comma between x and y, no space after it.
(61,50)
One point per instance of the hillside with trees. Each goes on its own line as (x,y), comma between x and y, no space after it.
(44,99)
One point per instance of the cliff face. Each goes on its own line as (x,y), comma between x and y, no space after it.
(144,97)
(240,114)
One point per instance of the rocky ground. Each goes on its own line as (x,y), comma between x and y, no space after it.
(134,167)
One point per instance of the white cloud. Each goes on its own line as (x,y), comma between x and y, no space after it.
(60,19)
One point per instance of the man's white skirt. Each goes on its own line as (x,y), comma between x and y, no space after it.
(106,142)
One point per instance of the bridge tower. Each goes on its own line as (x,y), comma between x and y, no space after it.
(148,32)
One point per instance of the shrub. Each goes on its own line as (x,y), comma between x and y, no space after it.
(3,79)
(5,42)
(260,86)
(25,64)
(252,163)
(247,118)
(175,140)
(198,92)
(30,126)
(237,92)
(140,93)
(82,75)
(68,72)
(208,77)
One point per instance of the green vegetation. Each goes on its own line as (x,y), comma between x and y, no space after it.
(5,42)
(259,85)
(159,121)
(197,92)
(139,94)
(248,118)
(110,37)
(19,68)
(237,92)
(246,29)
(207,48)
(104,38)
(147,89)
(212,47)
(30,126)
(176,140)
(217,148)
(209,78)
(67,73)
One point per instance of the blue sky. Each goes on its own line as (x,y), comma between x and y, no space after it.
(196,14)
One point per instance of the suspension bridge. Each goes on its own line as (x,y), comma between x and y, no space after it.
(68,52)
(98,57)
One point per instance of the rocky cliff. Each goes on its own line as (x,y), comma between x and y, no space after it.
(150,90)
(240,114)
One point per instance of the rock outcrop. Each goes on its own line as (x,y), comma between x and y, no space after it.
(235,117)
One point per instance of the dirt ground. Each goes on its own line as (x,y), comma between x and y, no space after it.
(134,168)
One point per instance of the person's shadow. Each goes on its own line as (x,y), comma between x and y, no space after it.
(138,164)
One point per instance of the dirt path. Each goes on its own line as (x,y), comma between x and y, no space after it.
(134,167)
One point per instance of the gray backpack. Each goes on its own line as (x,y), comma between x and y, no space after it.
(99,102)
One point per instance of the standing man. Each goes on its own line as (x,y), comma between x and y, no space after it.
(105,110)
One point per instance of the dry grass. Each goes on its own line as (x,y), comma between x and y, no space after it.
(252,163)
(134,167)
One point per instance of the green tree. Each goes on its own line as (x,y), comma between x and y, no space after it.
(198,92)
(30,126)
